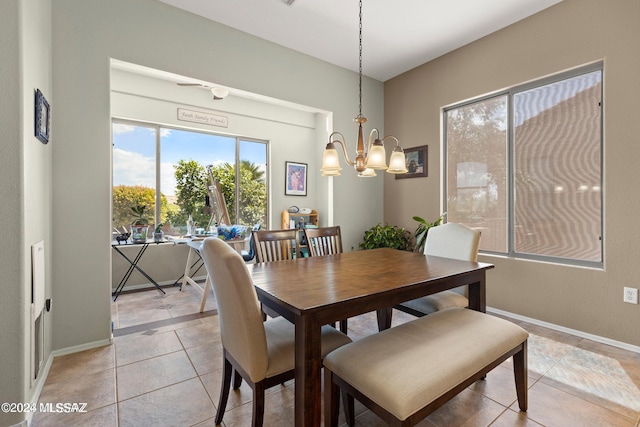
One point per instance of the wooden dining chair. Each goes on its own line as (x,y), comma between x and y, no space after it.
(325,241)
(261,353)
(450,240)
(276,245)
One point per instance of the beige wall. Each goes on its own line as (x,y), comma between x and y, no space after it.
(25,190)
(13,305)
(86,36)
(569,34)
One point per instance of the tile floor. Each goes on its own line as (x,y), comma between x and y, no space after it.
(164,366)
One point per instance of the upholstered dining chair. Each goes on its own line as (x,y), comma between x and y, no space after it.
(261,353)
(325,241)
(450,240)
(276,245)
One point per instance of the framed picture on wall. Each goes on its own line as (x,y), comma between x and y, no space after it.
(41,117)
(416,162)
(295,179)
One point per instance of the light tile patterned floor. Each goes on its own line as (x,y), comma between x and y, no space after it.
(164,368)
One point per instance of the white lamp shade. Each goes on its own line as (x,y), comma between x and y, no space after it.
(377,158)
(330,162)
(397,163)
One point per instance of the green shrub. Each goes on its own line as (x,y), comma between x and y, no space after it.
(388,236)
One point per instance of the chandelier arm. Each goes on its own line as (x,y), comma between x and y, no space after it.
(343,146)
(371,139)
(394,138)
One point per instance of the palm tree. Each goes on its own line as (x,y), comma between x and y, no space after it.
(257,174)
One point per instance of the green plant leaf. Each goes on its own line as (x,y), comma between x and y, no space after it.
(388,236)
(423,229)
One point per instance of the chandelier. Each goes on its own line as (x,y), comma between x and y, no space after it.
(374,157)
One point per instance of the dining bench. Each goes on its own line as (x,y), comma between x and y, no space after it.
(404,373)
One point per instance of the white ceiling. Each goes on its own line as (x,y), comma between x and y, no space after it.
(398,35)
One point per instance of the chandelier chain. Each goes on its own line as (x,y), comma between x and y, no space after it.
(360,63)
(371,157)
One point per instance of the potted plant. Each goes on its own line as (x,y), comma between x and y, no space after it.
(423,229)
(387,236)
(140,226)
(158,234)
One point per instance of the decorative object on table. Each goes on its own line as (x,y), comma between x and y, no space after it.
(140,227)
(122,237)
(375,156)
(293,209)
(423,229)
(158,234)
(218,205)
(417,162)
(296,179)
(232,232)
(42,120)
(387,236)
(251,254)
(191,226)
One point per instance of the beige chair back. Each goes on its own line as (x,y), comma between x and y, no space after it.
(240,317)
(276,245)
(324,241)
(453,240)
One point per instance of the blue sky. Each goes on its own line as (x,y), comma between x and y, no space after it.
(134,153)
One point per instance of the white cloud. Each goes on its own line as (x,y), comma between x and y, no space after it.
(120,128)
(167,179)
(130,168)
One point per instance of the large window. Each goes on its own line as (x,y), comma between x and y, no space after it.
(525,167)
(167,171)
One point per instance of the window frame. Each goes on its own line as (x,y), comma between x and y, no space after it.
(157,127)
(510,93)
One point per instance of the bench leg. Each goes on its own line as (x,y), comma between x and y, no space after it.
(331,399)
(520,372)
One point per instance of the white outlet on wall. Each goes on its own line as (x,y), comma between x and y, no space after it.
(631,295)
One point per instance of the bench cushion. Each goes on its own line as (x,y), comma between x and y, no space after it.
(405,368)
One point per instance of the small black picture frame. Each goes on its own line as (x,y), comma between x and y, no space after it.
(42,118)
(295,179)
(417,162)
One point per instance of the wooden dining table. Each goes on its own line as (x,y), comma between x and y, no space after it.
(315,291)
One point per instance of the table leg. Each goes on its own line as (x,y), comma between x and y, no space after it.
(187,267)
(308,391)
(126,276)
(207,287)
(384,318)
(478,294)
(134,265)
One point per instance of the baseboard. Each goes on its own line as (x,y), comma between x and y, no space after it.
(39,385)
(81,347)
(596,338)
(149,286)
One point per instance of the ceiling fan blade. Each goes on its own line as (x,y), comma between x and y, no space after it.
(217,92)
(192,84)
